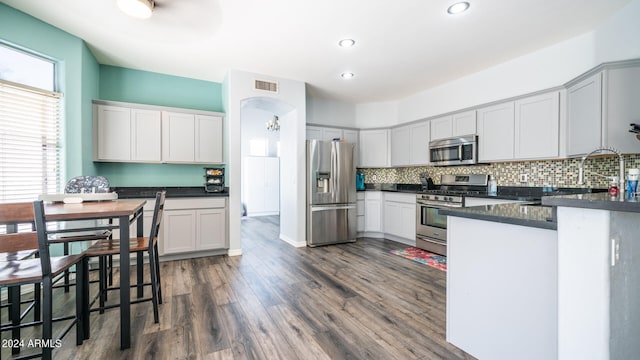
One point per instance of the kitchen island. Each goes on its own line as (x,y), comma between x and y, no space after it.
(558,282)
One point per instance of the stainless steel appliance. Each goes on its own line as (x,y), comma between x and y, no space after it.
(460,150)
(431,226)
(331,193)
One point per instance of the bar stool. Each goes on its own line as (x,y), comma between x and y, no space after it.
(110,247)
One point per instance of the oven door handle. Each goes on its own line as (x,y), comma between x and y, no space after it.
(440,205)
(435,241)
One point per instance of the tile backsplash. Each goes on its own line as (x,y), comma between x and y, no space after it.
(553,173)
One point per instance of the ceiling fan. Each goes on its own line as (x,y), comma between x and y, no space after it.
(141,9)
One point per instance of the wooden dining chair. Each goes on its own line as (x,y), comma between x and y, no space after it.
(105,248)
(42,270)
(13,217)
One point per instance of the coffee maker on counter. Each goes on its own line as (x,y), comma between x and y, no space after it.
(214,179)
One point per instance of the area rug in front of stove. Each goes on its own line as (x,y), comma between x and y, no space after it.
(423,257)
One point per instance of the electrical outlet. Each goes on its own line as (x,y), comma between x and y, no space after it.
(374,178)
(524,178)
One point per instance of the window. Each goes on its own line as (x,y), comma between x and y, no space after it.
(258,147)
(29,127)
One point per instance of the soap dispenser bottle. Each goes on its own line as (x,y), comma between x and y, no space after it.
(360,180)
(492,186)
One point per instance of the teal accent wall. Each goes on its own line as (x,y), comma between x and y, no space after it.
(143,87)
(82,80)
(78,78)
(136,86)
(90,82)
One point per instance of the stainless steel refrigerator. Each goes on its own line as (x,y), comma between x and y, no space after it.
(331,193)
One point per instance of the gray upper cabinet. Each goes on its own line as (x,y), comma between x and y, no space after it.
(208,146)
(441,128)
(374,148)
(178,137)
(537,120)
(463,123)
(138,133)
(600,109)
(350,136)
(314,133)
(329,133)
(621,108)
(584,108)
(410,144)
(113,133)
(191,139)
(419,143)
(400,146)
(495,132)
(123,134)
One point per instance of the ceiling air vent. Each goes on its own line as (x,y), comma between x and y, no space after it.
(263,85)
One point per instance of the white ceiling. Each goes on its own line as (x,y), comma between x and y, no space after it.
(402,47)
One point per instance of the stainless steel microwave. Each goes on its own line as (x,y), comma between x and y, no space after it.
(459,150)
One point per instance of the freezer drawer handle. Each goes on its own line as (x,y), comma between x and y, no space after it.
(325,208)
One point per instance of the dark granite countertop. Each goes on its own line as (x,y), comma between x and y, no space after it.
(601,201)
(409,188)
(519,193)
(172,192)
(522,193)
(525,214)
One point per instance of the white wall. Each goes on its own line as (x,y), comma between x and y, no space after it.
(292,181)
(378,114)
(329,112)
(615,39)
(253,127)
(238,90)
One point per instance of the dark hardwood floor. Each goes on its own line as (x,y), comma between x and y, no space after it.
(352,301)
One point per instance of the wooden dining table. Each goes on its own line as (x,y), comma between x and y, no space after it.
(125,212)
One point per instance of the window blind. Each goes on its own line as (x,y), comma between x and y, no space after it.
(29,142)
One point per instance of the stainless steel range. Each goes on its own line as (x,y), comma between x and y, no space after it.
(431,226)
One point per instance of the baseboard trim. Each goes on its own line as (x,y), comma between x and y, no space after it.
(400,240)
(234,252)
(292,242)
(369,234)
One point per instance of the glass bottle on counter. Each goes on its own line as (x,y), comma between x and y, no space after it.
(492,186)
(613,186)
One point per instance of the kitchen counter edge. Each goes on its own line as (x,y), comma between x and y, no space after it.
(598,201)
(172,192)
(530,215)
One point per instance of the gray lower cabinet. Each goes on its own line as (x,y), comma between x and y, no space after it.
(194,225)
(373,211)
(360,211)
(400,216)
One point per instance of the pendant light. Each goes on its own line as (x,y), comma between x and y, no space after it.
(273,124)
(140,9)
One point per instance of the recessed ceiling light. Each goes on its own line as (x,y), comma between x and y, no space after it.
(458,8)
(347,75)
(346,42)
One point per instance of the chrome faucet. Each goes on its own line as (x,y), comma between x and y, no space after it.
(600,150)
